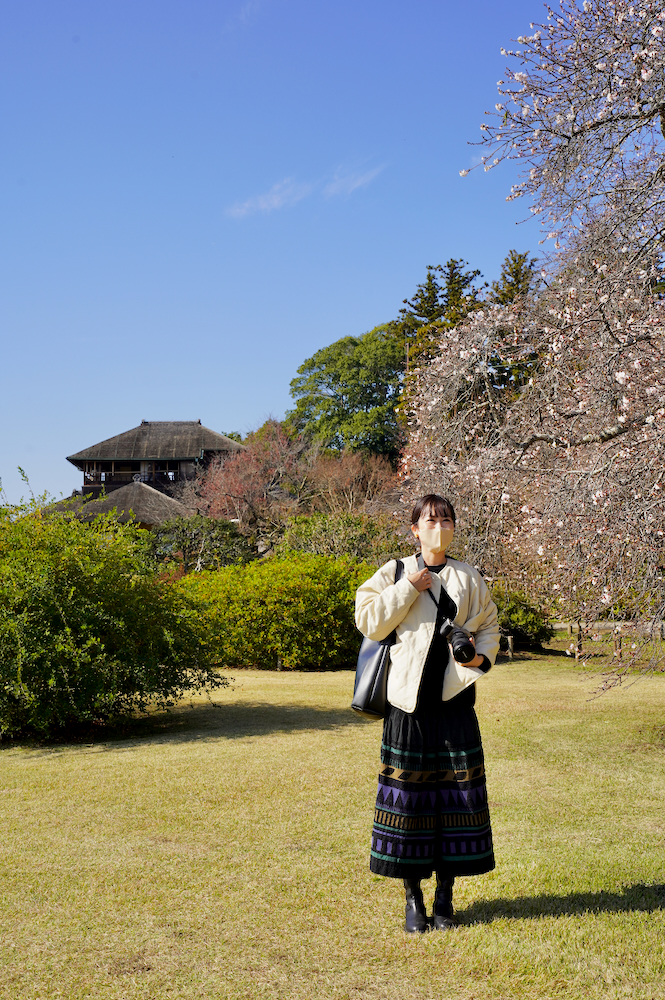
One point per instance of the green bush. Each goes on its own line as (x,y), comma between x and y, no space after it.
(295,610)
(87,629)
(518,616)
(373,538)
(198,543)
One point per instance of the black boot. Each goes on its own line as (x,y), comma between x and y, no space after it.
(442,914)
(416,917)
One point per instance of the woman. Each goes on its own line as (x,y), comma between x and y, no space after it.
(431,808)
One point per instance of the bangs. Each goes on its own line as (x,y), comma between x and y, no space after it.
(433,504)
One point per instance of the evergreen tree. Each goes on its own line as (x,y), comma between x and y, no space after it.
(448,294)
(346,394)
(428,302)
(517,278)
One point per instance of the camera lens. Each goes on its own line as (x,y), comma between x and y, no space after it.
(463,649)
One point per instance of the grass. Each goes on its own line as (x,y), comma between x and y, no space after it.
(599,654)
(222,852)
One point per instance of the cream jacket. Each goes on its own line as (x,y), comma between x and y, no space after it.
(383,605)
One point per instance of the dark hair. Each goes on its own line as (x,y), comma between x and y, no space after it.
(432,502)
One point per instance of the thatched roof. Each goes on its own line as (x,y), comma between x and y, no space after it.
(134,502)
(158,440)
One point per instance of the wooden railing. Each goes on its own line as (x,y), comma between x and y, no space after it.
(120,478)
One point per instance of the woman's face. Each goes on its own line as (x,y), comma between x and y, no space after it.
(433,532)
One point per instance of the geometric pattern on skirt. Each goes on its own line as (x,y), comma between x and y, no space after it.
(431,805)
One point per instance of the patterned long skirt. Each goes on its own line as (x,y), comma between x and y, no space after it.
(431,807)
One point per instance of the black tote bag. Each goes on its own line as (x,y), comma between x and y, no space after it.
(370,690)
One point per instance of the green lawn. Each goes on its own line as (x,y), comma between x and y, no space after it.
(222,851)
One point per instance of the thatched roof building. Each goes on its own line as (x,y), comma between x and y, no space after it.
(157,452)
(134,502)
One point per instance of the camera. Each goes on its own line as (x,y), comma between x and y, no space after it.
(463,649)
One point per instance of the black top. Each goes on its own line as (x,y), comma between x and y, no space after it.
(431,684)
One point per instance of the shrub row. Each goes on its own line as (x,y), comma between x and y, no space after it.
(518,616)
(294,611)
(89,629)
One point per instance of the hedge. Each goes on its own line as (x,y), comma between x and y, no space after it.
(295,611)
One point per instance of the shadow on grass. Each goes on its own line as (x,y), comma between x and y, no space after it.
(638,897)
(531,654)
(201,722)
(241,719)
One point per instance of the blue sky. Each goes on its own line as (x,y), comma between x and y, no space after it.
(195,196)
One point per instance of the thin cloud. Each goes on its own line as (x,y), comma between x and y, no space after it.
(284,194)
(347,183)
(287,193)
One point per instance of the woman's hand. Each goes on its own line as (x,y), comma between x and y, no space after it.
(421,580)
(477,661)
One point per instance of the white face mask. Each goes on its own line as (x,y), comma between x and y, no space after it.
(436,539)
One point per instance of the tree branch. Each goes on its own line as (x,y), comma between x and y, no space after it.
(598,438)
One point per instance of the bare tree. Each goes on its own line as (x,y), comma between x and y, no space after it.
(582,109)
(263,484)
(352,481)
(281,474)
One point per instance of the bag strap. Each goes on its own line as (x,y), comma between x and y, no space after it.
(399,569)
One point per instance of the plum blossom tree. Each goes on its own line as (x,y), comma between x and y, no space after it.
(582,109)
(544,415)
(545,420)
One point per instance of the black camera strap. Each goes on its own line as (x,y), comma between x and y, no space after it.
(421,565)
(442,605)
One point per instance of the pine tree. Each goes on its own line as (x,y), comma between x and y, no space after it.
(517,278)
(442,301)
